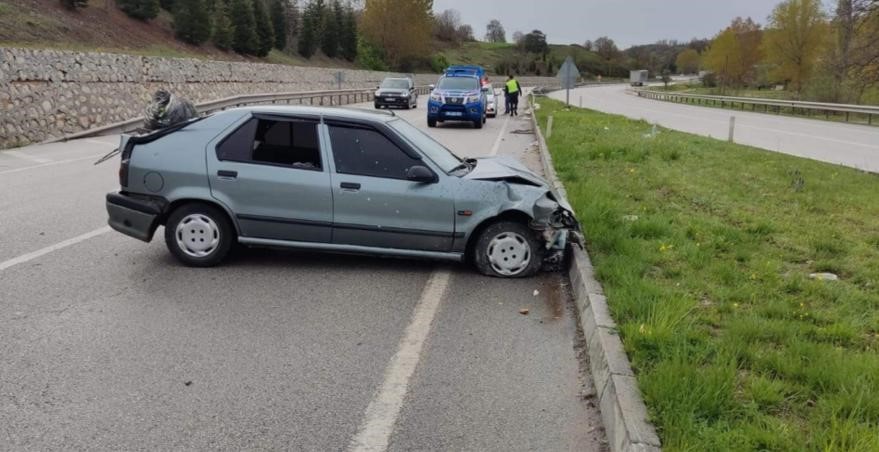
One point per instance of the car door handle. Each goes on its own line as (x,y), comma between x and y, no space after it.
(226,174)
(350,185)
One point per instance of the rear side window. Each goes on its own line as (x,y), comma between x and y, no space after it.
(292,143)
(367,152)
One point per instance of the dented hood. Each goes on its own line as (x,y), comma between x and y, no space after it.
(504,169)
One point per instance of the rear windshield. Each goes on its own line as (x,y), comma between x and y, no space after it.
(458,83)
(395,83)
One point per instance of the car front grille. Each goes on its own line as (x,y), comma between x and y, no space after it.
(455,100)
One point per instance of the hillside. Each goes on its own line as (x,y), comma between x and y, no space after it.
(103,27)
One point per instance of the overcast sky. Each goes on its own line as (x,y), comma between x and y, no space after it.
(627,22)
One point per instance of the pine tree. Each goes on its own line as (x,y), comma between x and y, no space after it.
(192,21)
(244,27)
(309,36)
(223,32)
(279,23)
(332,29)
(348,42)
(167,5)
(264,31)
(140,9)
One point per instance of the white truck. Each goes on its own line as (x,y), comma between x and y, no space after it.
(638,77)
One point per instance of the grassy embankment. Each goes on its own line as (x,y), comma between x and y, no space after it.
(705,250)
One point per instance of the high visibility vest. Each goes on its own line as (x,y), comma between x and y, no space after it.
(512,86)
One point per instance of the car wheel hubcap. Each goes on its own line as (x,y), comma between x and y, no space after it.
(197,235)
(509,253)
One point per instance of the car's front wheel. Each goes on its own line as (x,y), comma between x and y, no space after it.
(431,122)
(199,235)
(508,249)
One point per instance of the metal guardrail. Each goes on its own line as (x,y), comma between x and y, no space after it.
(322,98)
(775,105)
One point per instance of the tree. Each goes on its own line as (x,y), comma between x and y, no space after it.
(401,29)
(518,37)
(494,32)
(278,13)
(312,28)
(795,40)
(140,9)
(606,48)
(265,33)
(192,21)
(588,45)
(348,36)
(244,39)
(332,30)
(167,5)
(223,32)
(735,53)
(464,33)
(666,77)
(446,25)
(535,42)
(292,18)
(687,61)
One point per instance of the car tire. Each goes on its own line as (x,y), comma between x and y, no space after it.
(378,107)
(508,249)
(478,123)
(431,122)
(199,235)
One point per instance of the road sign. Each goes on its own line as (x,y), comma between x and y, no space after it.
(568,75)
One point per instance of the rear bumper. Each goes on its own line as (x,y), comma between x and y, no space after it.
(134,216)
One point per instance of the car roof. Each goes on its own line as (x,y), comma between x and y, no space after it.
(327,112)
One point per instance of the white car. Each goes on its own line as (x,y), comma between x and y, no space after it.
(491,100)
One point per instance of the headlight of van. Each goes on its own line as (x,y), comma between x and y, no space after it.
(436,96)
(471,99)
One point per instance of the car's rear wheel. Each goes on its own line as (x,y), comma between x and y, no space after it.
(431,122)
(508,249)
(199,235)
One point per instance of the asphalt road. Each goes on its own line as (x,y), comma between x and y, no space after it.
(851,145)
(108,343)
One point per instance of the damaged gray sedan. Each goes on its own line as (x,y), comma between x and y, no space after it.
(336,180)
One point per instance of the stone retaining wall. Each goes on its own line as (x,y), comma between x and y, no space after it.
(46,94)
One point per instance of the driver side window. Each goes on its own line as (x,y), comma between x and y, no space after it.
(366,152)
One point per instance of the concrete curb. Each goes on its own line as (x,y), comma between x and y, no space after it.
(623,412)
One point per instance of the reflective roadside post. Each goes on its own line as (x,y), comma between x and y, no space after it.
(568,75)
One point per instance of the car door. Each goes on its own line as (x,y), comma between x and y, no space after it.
(271,173)
(374,204)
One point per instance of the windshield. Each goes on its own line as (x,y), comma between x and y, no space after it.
(395,83)
(459,83)
(436,152)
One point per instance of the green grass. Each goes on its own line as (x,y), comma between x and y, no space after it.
(734,346)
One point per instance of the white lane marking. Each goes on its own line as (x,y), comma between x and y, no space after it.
(30,158)
(56,162)
(43,251)
(381,414)
(497,141)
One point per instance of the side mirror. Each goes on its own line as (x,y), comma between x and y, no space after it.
(420,173)
(431,86)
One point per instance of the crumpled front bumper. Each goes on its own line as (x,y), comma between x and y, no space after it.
(557,225)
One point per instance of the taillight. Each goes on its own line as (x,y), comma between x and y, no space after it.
(123,173)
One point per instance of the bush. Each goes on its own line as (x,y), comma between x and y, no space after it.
(73,4)
(370,57)
(439,63)
(140,9)
(709,80)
